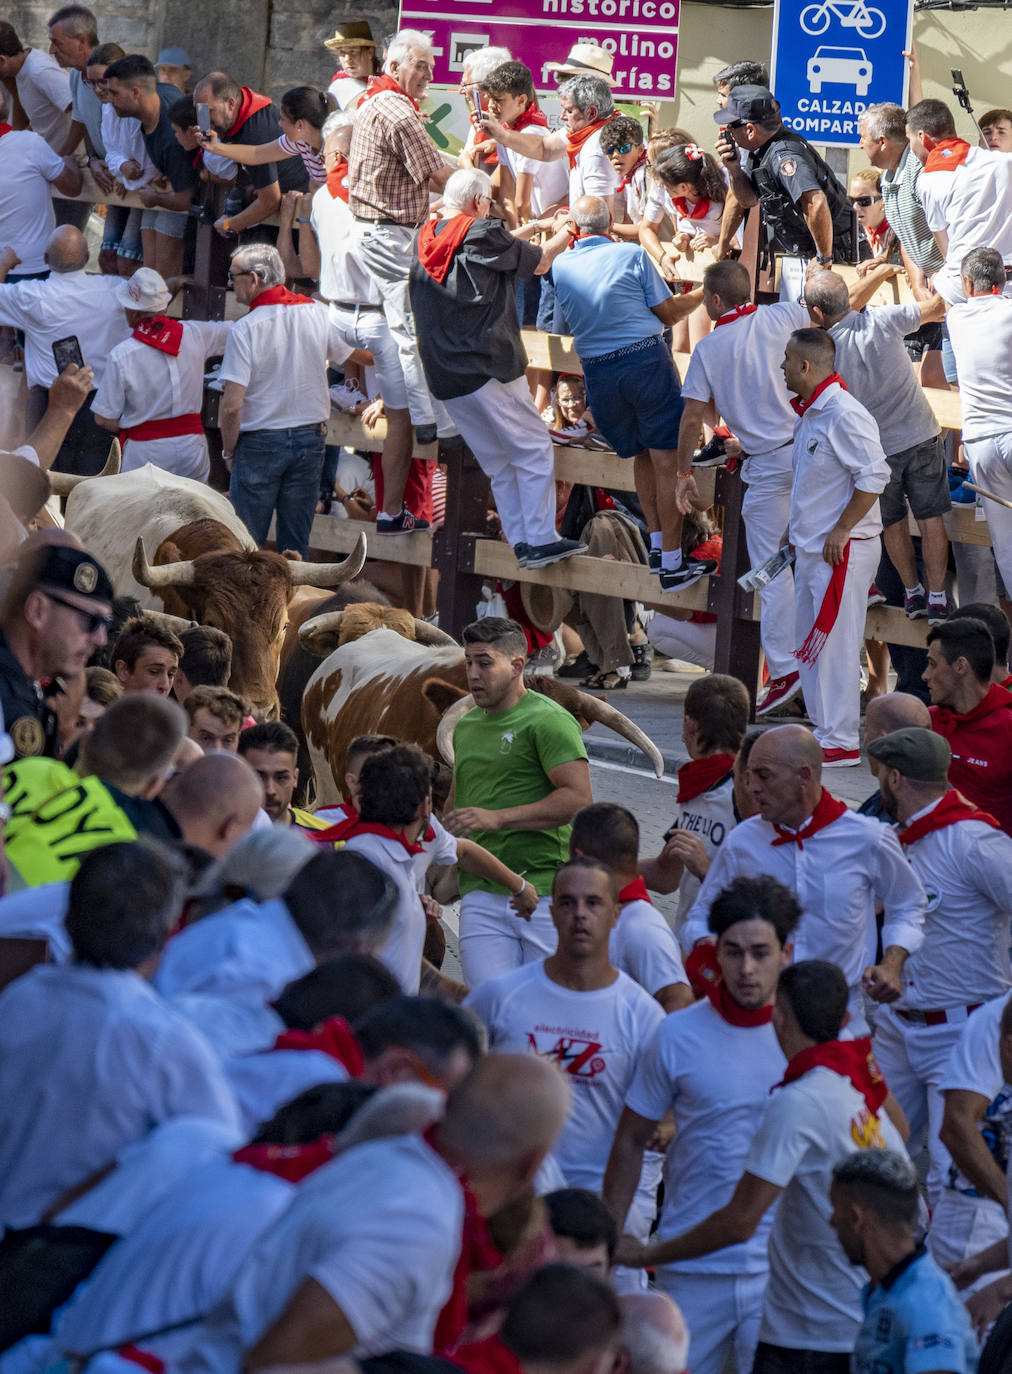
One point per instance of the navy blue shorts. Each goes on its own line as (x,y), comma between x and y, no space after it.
(635,397)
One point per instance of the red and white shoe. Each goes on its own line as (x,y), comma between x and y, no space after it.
(780,690)
(876,596)
(840,758)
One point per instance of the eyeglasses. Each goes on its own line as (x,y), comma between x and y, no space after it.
(99,81)
(91,620)
(620,148)
(863,201)
(234,276)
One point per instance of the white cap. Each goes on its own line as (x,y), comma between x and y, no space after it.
(145,290)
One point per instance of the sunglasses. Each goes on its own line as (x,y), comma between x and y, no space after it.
(863,201)
(91,620)
(621,148)
(735,124)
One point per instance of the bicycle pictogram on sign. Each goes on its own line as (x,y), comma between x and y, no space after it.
(852,14)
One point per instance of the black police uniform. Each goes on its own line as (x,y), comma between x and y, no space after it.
(781,172)
(30,723)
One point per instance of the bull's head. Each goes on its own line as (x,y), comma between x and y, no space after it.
(246,595)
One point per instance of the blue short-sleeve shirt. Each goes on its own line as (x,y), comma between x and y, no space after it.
(606,290)
(914,1323)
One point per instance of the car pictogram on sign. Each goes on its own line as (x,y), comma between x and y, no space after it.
(839,67)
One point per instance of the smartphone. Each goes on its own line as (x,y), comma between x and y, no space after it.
(476,101)
(67,351)
(204,118)
(957,76)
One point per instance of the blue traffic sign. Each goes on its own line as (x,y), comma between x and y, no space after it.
(833,58)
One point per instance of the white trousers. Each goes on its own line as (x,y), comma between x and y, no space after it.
(186,455)
(686,640)
(766,510)
(960,1226)
(508,437)
(494,939)
(990,462)
(722,1313)
(832,684)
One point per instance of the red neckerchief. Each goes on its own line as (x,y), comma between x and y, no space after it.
(532,115)
(735,314)
(699,211)
(799,406)
(574,142)
(1007,684)
(291,1162)
(829,610)
(250,104)
(436,251)
(946,722)
(280,295)
(633,170)
(376,828)
(703,971)
(947,155)
(951,809)
(877,235)
(851,1059)
(333,1037)
(6,129)
(490,1356)
(477,1255)
(826,812)
(159,332)
(636,891)
(376,84)
(699,775)
(341,76)
(336,180)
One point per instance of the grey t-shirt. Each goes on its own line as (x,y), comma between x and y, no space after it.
(871,359)
(86,108)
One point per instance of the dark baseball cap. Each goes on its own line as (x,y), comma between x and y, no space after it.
(751,104)
(63,569)
(916,753)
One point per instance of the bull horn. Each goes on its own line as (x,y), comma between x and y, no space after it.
(63,483)
(330,574)
(426,633)
(165,575)
(114,460)
(328,622)
(449,721)
(597,711)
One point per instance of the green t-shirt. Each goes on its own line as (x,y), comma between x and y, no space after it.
(504,760)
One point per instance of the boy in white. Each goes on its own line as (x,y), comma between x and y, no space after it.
(539,188)
(835,529)
(831,1101)
(736,367)
(713,1067)
(963,860)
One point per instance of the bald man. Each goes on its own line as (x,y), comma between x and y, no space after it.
(839,865)
(835,530)
(653,1335)
(70,304)
(214,801)
(889,712)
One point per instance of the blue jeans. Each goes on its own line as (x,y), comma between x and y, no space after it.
(278,469)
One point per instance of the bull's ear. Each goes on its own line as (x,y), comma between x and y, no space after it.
(169,553)
(441,695)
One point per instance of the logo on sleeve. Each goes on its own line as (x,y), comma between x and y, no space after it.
(788,167)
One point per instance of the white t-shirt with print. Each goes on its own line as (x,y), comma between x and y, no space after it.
(710,817)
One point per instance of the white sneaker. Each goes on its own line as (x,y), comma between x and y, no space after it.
(569,434)
(348,396)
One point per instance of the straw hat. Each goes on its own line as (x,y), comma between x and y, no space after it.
(546,607)
(354,33)
(586,59)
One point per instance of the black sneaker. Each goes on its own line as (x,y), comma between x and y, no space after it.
(520,553)
(540,555)
(915,605)
(654,560)
(643,657)
(673,580)
(580,668)
(405,523)
(711,455)
(425,434)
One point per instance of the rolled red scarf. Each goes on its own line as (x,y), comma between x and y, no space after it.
(249,104)
(851,1059)
(280,295)
(532,115)
(947,155)
(333,1037)
(699,775)
(574,142)
(383,82)
(826,812)
(736,314)
(290,1162)
(698,211)
(952,809)
(703,971)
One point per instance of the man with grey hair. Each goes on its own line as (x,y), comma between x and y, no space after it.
(477,65)
(913,1317)
(73,34)
(872,360)
(463,291)
(276,404)
(653,1334)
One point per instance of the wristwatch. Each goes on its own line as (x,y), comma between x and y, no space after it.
(823,260)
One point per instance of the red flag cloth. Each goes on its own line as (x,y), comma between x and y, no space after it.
(158,331)
(436,251)
(334,1037)
(698,211)
(735,314)
(851,1059)
(249,104)
(826,812)
(291,1162)
(383,82)
(952,808)
(706,979)
(574,142)
(699,775)
(947,155)
(799,406)
(532,115)
(336,179)
(280,295)
(815,641)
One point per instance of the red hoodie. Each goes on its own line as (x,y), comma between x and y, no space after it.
(981,744)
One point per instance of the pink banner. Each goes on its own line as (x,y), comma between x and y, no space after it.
(641,34)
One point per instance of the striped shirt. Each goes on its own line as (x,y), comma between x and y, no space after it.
(390,161)
(905,213)
(312,161)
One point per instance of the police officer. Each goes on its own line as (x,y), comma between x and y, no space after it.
(56,614)
(804,207)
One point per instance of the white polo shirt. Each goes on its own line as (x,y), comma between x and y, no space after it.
(279,353)
(813,1301)
(342,275)
(836,449)
(972,204)
(27,219)
(839,876)
(716,1079)
(252,948)
(980,331)
(402,952)
(82,304)
(44,91)
(644,947)
(738,365)
(90,1059)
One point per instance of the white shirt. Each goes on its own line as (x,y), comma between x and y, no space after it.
(836,449)
(27,219)
(388,1267)
(813,1301)
(966,871)
(643,947)
(251,948)
(233,1024)
(872,359)
(839,876)
(975,1067)
(709,816)
(82,304)
(141,383)
(738,365)
(980,331)
(44,91)
(716,1078)
(342,274)
(90,1059)
(402,952)
(441,849)
(660,203)
(264,1082)
(638,194)
(345,90)
(973,205)
(595,1038)
(123,137)
(550,180)
(38,913)
(280,353)
(593,174)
